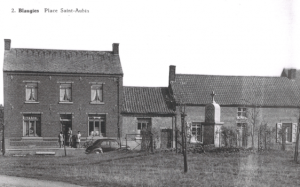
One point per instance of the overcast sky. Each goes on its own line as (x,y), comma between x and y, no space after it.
(225,37)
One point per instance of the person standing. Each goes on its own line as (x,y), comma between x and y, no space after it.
(61,139)
(70,137)
(78,139)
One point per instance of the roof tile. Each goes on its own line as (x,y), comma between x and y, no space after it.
(236,90)
(61,61)
(146,100)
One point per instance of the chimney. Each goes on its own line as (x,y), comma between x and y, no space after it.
(7,44)
(115,48)
(172,71)
(292,74)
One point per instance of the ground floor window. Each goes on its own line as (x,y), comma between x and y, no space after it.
(196,131)
(32,125)
(242,134)
(97,125)
(143,124)
(287,132)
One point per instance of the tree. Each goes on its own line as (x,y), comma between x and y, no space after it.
(253,119)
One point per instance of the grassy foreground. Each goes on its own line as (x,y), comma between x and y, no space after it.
(274,168)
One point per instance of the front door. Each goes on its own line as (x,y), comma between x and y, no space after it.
(66,123)
(166,138)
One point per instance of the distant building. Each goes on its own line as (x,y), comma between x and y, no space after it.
(277,98)
(48,91)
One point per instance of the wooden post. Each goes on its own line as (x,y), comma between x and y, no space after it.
(176,131)
(297,142)
(151,143)
(65,148)
(3,139)
(183,141)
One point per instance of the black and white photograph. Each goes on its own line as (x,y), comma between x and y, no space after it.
(149,93)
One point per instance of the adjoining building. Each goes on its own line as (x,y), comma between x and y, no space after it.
(47,91)
(276,99)
(148,107)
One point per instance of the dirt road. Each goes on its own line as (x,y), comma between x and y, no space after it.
(9,181)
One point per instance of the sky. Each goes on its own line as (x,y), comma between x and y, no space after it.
(213,37)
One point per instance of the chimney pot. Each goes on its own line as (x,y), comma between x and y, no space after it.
(7,43)
(115,48)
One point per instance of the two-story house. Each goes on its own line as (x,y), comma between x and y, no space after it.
(47,91)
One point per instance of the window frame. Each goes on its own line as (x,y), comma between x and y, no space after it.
(242,112)
(101,85)
(288,134)
(101,118)
(33,84)
(35,132)
(140,122)
(61,84)
(194,133)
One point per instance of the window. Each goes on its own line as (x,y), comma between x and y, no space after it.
(65,93)
(242,134)
(97,93)
(96,125)
(242,112)
(287,132)
(196,131)
(143,124)
(32,125)
(31,92)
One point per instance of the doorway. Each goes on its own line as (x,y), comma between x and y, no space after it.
(166,138)
(66,123)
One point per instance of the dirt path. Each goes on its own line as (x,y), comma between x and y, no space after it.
(9,181)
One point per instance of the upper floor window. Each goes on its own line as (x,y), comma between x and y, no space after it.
(31,92)
(65,92)
(242,112)
(97,93)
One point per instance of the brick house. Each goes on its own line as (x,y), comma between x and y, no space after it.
(48,91)
(276,99)
(147,107)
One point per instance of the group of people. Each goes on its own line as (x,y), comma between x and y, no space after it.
(70,139)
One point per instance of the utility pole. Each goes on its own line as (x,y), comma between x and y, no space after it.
(183,140)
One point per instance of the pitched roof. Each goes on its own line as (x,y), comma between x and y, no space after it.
(146,100)
(61,61)
(235,90)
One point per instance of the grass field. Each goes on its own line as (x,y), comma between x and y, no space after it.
(274,168)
